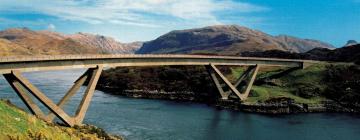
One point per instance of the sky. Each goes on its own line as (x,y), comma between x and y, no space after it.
(332,21)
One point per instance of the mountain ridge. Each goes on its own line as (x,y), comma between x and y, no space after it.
(226,40)
(218,39)
(104,43)
(23,41)
(36,43)
(344,54)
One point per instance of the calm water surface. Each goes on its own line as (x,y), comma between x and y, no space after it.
(139,119)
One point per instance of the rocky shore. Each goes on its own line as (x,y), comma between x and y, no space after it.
(286,106)
(323,87)
(274,106)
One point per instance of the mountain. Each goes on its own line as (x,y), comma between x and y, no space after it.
(302,45)
(220,40)
(346,54)
(23,41)
(103,43)
(8,48)
(106,44)
(351,42)
(37,43)
(226,40)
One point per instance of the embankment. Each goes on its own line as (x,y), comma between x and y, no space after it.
(17,124)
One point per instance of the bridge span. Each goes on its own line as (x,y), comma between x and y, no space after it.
(12,68)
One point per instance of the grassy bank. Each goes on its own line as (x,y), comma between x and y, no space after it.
(17,124)
(264,93)
(320,83)
(313,85)
(301,85)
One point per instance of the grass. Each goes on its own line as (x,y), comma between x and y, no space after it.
(264,93)
(287,85)
(17,124)
(237,71)
(312,74)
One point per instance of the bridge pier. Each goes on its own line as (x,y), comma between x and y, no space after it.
(215,73)
(21,86)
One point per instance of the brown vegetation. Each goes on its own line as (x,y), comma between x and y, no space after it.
(226,40)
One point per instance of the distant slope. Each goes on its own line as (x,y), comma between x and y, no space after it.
(344,54)
(302,45)
(105,44)
(351,43)
(22,41)
(226,40)
(8,48)
(37,43)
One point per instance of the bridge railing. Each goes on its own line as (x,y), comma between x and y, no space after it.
(92,56)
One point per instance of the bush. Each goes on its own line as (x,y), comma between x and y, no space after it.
(343,84)
(308,91)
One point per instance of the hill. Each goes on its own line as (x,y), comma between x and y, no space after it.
(226,40)
(220,40)
(351,43)
(302,45)
(36,43)
(105,44)
(344,54)
(8,48)
(17,124)
(23,41)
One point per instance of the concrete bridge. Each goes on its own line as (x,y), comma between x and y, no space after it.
(12,67)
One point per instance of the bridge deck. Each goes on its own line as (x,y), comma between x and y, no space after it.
(38,63)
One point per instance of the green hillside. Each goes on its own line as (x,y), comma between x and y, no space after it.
(291,85)
(312,85)
(17,124)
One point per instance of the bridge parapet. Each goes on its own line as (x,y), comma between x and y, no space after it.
(89,56)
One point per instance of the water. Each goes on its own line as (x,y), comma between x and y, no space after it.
(139,119)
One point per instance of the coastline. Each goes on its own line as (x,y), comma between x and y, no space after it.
(274,107)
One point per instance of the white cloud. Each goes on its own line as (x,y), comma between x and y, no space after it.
(148,13)
(51,27)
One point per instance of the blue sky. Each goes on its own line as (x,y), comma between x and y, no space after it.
(333,21)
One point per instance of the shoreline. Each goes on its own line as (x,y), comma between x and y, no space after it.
(278,106)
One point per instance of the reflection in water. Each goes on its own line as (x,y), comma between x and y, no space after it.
(139,119)
(214,123)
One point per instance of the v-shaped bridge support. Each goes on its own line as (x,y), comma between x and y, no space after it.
(216,75)
(22,87)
